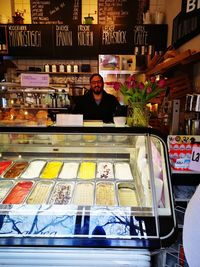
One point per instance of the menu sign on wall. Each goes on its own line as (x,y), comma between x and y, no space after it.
(115,37)
(124,12)
(87,40)
(30,39)
(144,35)
(55,11)
(72,41)
(186,24)
(75,41)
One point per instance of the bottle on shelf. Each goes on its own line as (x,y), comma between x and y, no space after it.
(69,68)
(75,68)
(53,68)
(46,68)
(61,68)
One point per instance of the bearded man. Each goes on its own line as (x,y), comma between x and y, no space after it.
(97,104)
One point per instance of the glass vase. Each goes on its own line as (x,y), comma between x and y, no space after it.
(137,115)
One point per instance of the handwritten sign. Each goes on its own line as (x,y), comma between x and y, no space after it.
(74,41)
(55,11)
(41,80)
(124,12)
(29,39)
(195,159)
(64,35)
(116,37)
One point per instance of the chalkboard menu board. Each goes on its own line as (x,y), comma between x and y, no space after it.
(116,37)
(124,12)
(78,41)
(56,11)
(28,39)
(150,34)
(75,41)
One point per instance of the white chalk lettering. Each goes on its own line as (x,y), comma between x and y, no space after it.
(114,37)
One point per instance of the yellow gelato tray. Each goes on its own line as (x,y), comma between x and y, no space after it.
(87,170)
(51,170)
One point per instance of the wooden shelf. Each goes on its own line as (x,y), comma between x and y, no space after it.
(54,73)
(184,58)
(118,72)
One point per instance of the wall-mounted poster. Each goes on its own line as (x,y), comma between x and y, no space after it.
(56,11)
(186,25)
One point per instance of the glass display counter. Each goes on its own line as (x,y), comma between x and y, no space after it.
(85,187)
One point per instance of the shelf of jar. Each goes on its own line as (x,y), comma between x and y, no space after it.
(54,73)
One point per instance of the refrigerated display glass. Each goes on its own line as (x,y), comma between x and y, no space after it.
(85,187)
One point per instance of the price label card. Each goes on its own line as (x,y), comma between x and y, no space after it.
(41,80)
(195,159)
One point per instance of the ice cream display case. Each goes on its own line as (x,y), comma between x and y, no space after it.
(102,187)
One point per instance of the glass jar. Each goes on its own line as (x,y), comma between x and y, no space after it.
(75,68)
(54,68)
(69,68)
(61,68)
(46,68)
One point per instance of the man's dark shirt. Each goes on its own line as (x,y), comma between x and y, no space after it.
(87,106)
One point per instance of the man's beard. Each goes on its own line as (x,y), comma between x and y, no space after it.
(97,92)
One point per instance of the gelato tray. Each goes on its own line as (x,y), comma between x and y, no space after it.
(123,171)
(105,170)
(84,194)
(34,169)
(51,170)
(127,195)
(62,193)
(5,187)
(40,193)
(18,193)
(16,169)
(87,170)
(4,165)
(69,170)
(105,194)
